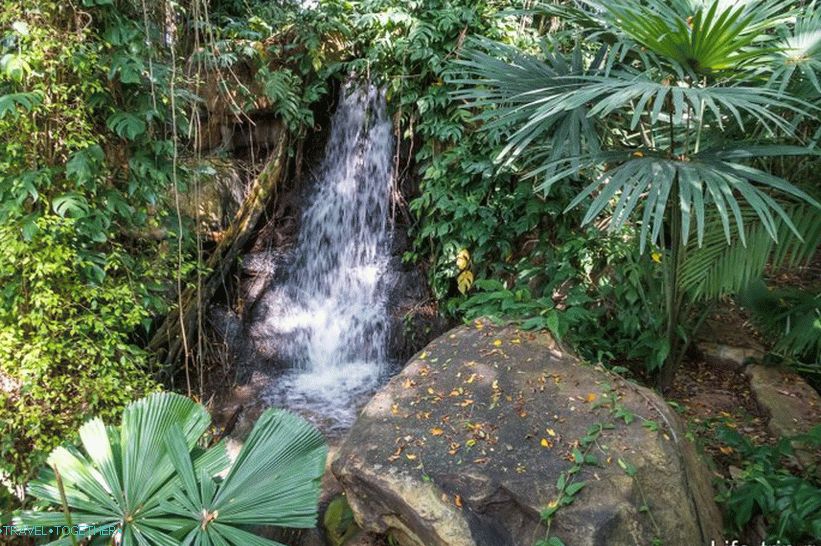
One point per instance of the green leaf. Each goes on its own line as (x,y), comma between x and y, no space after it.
(574,488)
(10,103)
(70,204)
(126,125)
(84,164)
(628,468)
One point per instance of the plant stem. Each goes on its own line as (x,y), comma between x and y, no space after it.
(672,291)
(64,502)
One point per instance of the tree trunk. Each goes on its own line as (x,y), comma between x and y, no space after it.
(167,341)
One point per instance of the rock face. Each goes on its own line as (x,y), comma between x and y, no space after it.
(464,447)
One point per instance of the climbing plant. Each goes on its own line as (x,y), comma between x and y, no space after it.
(86,168)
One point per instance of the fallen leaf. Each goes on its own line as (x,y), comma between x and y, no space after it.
(410,456)
(546,443)
(591,397)
(457,500)
(436,431)
(497,342)
(551,432)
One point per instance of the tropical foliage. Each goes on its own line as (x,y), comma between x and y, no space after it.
(149,481)
(765,486)
(86,168)
(666,109)
(608,171)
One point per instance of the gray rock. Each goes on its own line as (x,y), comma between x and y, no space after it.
(793,405)
(451,451)
(728,356)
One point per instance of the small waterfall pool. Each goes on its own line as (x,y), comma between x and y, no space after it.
(326,317)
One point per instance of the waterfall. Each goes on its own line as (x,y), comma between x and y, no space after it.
(328,316)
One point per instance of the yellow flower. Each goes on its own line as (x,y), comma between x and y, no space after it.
(656,256)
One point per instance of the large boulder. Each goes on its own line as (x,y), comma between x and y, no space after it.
(465,447)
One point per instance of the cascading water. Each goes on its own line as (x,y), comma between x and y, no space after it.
(328,317)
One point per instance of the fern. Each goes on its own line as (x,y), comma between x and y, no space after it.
(717,268)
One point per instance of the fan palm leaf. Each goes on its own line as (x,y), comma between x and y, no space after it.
(274,481)
(130,477)
(799,51)
(701,37)
(512,87)
(714,178)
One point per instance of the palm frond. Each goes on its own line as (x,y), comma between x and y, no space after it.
(790,316)
(148,479)
(534,96)
(714,179)
(274,481)
(799,54)
(720,267)
(511,87)
(700,37)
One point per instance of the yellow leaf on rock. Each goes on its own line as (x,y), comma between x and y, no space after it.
(546,443)
(436,431)
(551,432)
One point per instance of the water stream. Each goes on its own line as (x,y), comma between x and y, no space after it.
(327,317)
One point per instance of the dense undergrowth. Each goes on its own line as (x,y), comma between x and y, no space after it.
(99,111)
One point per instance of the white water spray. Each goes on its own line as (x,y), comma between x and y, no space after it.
(329,317)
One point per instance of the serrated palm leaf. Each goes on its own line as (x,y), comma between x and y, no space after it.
(702,37)
(125,472)
(274,481)
(723,267)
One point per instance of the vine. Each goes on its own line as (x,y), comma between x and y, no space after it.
(567,488)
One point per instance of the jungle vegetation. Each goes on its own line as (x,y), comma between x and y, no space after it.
(608,171)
